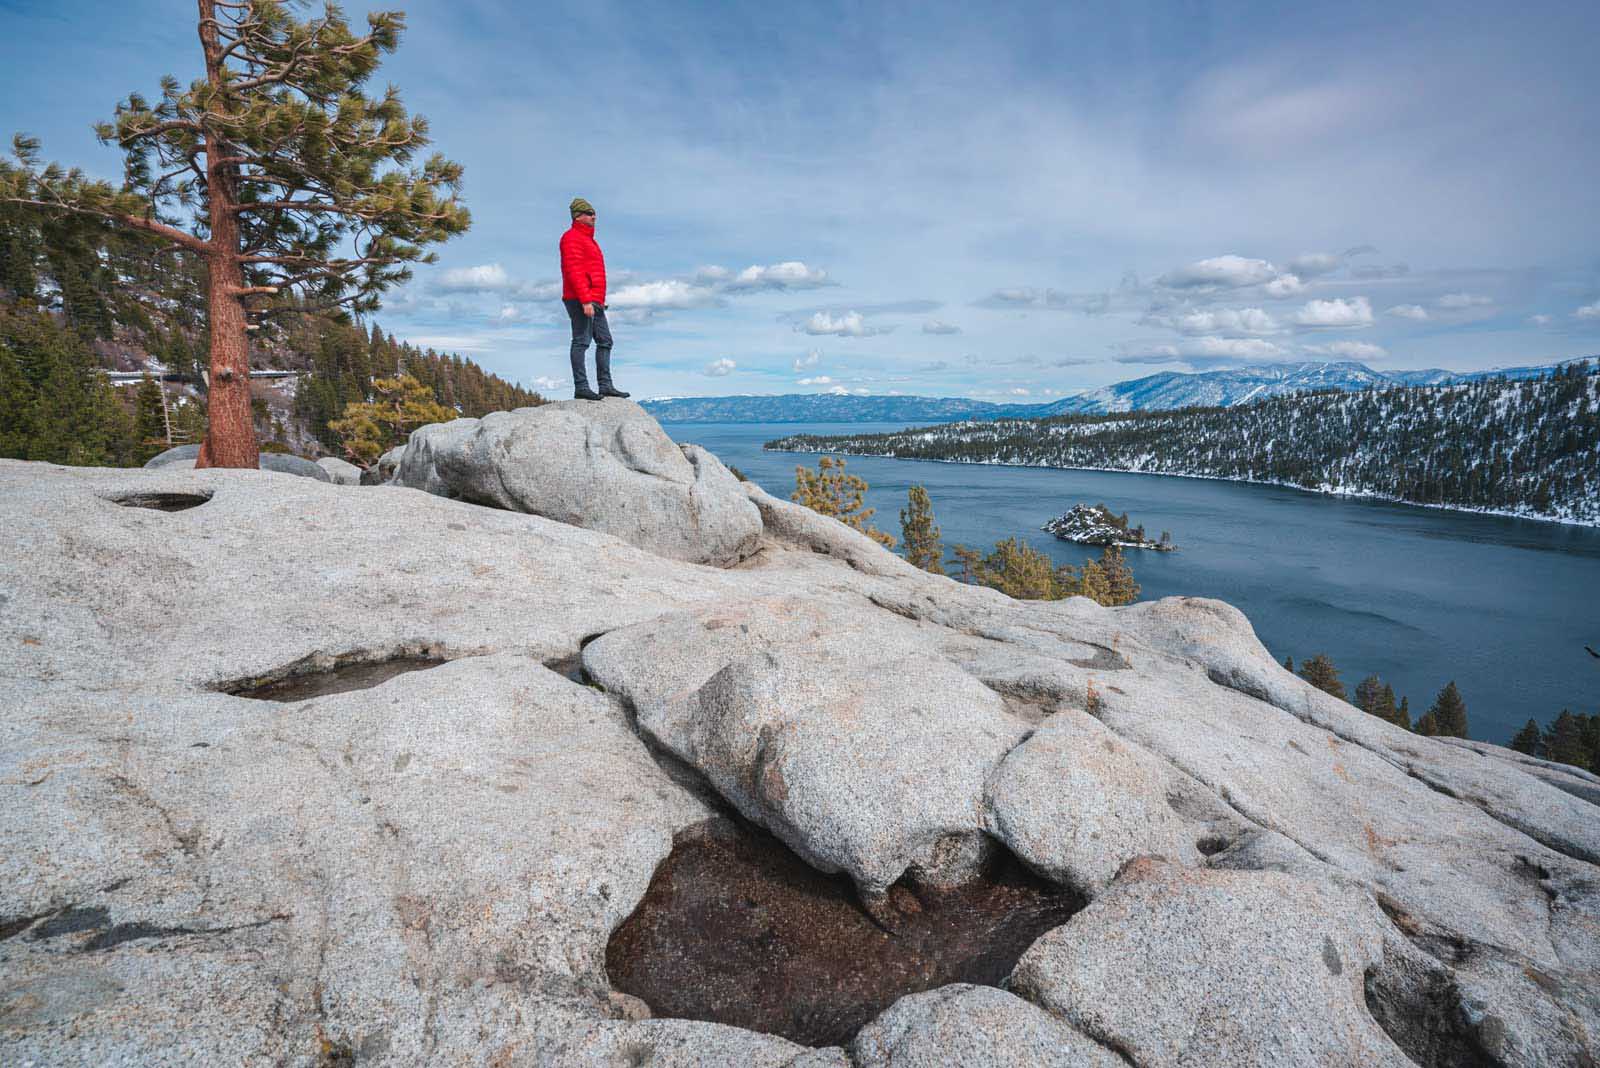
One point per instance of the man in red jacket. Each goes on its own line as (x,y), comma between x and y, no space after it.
(583,291)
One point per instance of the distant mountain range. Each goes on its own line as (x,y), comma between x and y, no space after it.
(1167,390)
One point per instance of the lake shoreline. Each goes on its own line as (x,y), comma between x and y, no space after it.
(1591,524)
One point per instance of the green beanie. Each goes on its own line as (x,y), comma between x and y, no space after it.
(580,206)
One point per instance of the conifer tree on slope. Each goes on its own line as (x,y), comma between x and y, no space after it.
(1120,585)
(150,424)
(1529,739)
(1563,742)
(919,532)
(1399,715)
(831,491)
(1447,716)
(1320,672)
(1369,696)
(277,171)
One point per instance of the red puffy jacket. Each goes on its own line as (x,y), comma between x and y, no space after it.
(583,266)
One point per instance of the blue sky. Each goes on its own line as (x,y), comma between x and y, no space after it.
(958,200)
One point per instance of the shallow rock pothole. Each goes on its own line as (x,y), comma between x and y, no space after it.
(299,683)
(736,929)
(161,501)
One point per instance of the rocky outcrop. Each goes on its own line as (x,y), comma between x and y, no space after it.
(285,463)
(1076,803)
(975,1027)
(797,712)
(1176,967)
(429,869)
(384,469)
(606,466)
(342,472)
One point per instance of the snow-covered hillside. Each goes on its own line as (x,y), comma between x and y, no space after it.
(1529,447)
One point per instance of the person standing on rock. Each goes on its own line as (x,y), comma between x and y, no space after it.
(583,291)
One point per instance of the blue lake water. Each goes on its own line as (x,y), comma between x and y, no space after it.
(1418,596)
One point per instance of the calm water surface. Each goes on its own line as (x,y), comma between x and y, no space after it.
(1418,596)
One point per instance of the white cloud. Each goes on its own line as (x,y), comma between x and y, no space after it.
(668,294)
(1539,320)
(939,326)
(510,313)
(1052,299)
(1462,300)
(493,278)
(808,361)
(447,342)
(1018,392)
(1589,312)
(1314,263)
(1408,311)
(547,384)
(719,368)
(850,324)
(486,278)
(712,275)
(791,274)
(1220,272)
(1350,350)
(1338,313)
(841,391)
(819,380)
(1285,285)
(1233,348)
(1218,321)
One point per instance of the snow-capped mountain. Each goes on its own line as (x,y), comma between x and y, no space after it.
(1158,392)
(1223,389)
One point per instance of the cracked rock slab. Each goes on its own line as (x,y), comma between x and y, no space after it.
(1076,803)
(801,715)
(975,1027)
(1181,967)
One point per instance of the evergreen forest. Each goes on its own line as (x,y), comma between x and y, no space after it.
(79,298)
(1529,447)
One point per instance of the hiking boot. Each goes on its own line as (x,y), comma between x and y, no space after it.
(585,393)
(612,391)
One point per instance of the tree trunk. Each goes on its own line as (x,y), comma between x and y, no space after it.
(230,427)
(230,424)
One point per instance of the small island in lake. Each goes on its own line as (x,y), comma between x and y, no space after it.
(1098,525)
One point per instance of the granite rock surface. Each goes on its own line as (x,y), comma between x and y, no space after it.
(201,863)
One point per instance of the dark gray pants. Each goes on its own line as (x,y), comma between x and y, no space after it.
(584,329)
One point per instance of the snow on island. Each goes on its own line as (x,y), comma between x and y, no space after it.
(1098,525)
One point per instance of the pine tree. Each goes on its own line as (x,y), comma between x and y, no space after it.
(919,533)
(291,178)
(1387,709)
(1447,716)
(400,405)
(1369,697)
(1403,717)
(1020,571)
(1563,741)
(831,492)
(1288,663)
(59,407)
(1119,583)
(971,561)
(1320,672)
(150,424)
(1591,739)
(1529,739)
